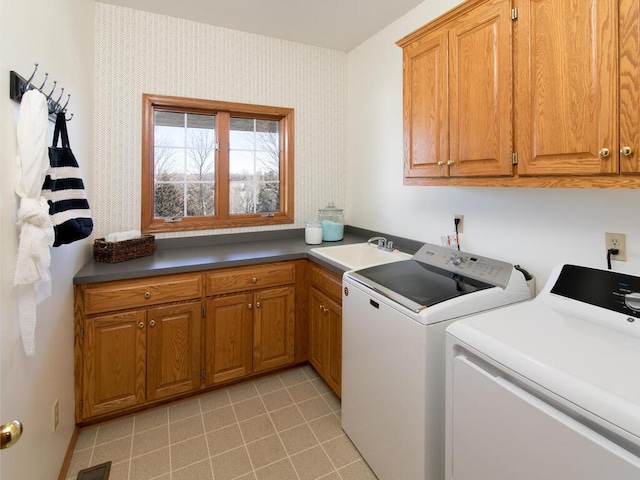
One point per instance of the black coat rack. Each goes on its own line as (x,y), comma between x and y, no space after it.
(19,86)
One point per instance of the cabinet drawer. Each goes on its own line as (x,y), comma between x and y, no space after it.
(119,295)
(249,278)
(329,282)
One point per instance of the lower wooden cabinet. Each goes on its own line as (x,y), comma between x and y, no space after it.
(229,338)
(157,338)
(173,350)
(114,363)
(273,328)
(134,357)
(325,326)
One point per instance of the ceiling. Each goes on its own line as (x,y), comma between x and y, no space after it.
(337,24)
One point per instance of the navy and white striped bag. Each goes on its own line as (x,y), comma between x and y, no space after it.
(64,190)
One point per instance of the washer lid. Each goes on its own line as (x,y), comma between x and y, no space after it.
(588,355)
(416,285)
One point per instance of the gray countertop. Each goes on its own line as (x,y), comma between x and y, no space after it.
(207,253)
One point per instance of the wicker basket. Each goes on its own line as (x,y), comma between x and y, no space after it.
(114,252)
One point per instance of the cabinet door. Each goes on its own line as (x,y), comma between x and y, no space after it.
(629,86)
(333,329)
(173,350)
(317,336)
(426,106)
(113,376)
(480,88)
(566,92)
(273,331)
(228,338)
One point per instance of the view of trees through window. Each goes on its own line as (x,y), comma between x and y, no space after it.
(185,147)
(213,164)
(254,166)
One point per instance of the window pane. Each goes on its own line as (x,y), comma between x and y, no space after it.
(169,164)
(241,165)
(200,164)
(241,198)
(169,129)
(268,197)
(268,163)
(184,164)
(200,199)
(168,200)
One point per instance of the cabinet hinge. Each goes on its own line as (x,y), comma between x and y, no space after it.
(82,333)
(217,146)
(204,312)
(81,404)
(203,374)
(514,13)
(514,158)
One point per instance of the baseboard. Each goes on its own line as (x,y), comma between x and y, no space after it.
(67,458)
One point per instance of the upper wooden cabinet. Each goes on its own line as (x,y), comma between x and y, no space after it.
(457,95)
(548,85)
(566,87)
(629,64)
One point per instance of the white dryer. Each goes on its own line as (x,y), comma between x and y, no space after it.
(548,389)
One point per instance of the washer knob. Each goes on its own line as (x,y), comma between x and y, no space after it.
(632,300)
(455,259)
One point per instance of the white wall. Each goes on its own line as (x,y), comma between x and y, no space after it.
(59,36)
(537,228)
(139,52)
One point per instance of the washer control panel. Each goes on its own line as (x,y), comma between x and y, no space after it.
(477,267)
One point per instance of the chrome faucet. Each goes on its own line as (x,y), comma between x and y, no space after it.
(383,243)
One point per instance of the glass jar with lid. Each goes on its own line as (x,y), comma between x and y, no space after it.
(313,232)
(332,219)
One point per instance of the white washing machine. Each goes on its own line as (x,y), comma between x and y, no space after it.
(548,389)
(394,320)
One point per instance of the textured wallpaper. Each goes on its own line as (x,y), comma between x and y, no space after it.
(139,52)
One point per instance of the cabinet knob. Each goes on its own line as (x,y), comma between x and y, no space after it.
(324,309)
(152,323)
(254,280)
(141,325)
(250,306)
(626,151)
(451,163)
(147,294)
(441,163)
(257,304)
(604,152)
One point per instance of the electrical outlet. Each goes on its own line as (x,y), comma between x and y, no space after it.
(461,217)
(55,416)
(619,241)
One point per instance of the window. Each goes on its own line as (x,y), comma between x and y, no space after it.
(208,164)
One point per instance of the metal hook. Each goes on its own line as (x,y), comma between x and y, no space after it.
(52,90)
(26,86)
(57,103)
(46,75)
(64,108)
(68,119)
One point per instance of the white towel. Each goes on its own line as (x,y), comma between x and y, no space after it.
(32,277)
(120,236)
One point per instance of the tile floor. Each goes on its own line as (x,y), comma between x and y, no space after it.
(280,427)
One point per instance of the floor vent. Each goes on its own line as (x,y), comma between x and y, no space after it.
(97,472)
